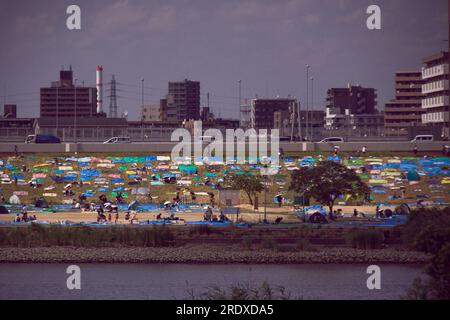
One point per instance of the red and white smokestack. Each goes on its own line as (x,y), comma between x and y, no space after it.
(99,85)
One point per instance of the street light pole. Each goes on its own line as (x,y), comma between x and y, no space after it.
(57,111)
(307,100)
(265,193)
(75,114)
(312,106)
(142,109)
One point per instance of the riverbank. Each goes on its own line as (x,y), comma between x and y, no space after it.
(207,254)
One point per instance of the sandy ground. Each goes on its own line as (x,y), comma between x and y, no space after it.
(248,215)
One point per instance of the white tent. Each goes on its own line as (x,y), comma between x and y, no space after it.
(14,199)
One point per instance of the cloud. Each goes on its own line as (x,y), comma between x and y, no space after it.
(39,22)
(126,16)
(312,19)
(164,19)
(264,9)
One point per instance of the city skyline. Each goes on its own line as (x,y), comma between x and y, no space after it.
(172,40)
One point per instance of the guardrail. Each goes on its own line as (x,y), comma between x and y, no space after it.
(166,147)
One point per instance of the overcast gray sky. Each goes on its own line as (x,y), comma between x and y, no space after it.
(266,43)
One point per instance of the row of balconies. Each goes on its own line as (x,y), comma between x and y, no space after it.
(435,117)
(435,71)
(433,102)
(435,86)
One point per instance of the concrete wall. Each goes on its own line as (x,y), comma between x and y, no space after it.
(166,147)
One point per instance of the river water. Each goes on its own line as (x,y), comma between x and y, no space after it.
(175,281)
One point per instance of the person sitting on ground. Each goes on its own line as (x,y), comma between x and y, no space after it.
(208,214)
(335,150)
(355,213)
(119,198)
(134,218)
(377,212)
(222,217)
(103,198)
(127,215)
(17,218)
(159,216)
(211,199)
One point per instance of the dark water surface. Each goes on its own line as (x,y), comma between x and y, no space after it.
(174,281)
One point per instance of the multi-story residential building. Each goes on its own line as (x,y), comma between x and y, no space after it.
(151,112)
(64,98)
(10,111)
(435,90)
(355,125)
(357,99)
(262,111)
(183,101)
(405,110)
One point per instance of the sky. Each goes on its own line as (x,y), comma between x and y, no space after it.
(264,43)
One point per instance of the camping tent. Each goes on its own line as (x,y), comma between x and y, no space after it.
(14,199)
(134,205)
(412,176)
(3,210)
(41,203)
(317,217)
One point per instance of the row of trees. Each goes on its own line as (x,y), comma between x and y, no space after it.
(325,182)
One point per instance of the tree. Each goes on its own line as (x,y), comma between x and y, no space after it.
(428,230)
(249,183)
(326,182)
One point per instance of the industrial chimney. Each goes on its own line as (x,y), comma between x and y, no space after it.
(99,85)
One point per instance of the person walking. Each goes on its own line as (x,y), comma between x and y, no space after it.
(279,200)
(363,150)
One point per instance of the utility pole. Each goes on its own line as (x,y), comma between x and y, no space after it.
(307,100)
(75,113)
(57,110)
(292,118)
(240,101)
(299,121)
(142,109)
(312,106)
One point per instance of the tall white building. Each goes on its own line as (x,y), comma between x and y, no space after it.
(435,90)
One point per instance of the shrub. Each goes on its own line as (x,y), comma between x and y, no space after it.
(303,244)
(247,243)
(55,235)
(268,243)
(365,239)
(244,292)
(200,229)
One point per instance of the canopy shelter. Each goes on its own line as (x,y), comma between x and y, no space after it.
(14,199)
